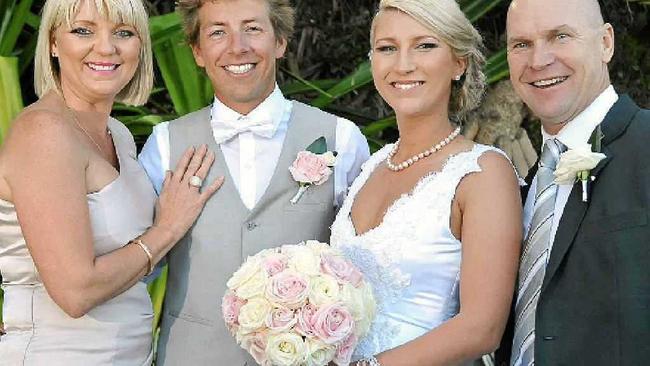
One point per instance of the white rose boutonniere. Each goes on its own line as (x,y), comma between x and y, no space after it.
(576,163)
(312,166)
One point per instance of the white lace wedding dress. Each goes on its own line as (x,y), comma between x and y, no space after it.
(411,258)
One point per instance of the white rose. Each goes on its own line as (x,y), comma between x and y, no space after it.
(286,349)
(267,252)
(324,290)
(255,286)
(318,353)
(252,316)
(329,158)
(244,273)
(361,304)
(369,310)
(574,161)
(319,248)
(352,297)
(303,260)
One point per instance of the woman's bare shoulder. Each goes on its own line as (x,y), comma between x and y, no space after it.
(41,122)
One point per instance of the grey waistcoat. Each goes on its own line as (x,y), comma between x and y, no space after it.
(226,233)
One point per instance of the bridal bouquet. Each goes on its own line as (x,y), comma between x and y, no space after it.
(301,304)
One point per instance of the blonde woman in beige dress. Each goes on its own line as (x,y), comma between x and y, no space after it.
(77,227)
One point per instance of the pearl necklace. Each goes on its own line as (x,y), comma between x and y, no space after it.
(408,162)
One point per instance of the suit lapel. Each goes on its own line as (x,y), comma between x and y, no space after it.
(613,126)
(529,181)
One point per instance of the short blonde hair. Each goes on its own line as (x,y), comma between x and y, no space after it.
(449,23)
(131,12)
(281,13)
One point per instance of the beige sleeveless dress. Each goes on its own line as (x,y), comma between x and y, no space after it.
(117,332)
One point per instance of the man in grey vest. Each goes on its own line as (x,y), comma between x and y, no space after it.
(255,134)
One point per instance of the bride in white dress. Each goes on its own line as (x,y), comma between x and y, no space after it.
(433,221)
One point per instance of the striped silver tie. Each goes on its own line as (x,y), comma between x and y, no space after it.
(534,256)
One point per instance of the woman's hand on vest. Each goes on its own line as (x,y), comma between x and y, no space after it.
(180,202)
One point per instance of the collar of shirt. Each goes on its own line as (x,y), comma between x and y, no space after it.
(578,130)
(275,109)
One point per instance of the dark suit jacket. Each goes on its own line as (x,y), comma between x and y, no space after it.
(594,308)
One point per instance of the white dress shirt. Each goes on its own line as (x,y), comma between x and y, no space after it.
(251,158)
(575,133)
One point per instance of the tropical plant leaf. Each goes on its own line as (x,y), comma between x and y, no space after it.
(186,83)
(475,9)
(496,67)
(360,77)
(157,293)
(27,55)
(299,87)
(12,25)
(376,127)
(11,102)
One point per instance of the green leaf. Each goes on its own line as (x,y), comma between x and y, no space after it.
(319,146)
(11,30)
(308,83)
(11,102)
(157,293)
(299,87)
(374,128)
(187,85)
(27,55)
(360,77)
(141,126)
(475,9)
(496,67)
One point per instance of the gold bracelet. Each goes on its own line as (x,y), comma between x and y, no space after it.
(147,251)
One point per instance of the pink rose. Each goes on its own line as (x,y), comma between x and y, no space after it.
(289,289)
(281,319)
(274,264)
(341,269)
(230,307)
(255,344)
(344,350)
(310,168)
(333,323)
(306,320)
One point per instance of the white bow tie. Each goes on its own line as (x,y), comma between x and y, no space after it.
(224,130)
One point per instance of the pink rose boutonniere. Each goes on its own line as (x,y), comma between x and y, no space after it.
(312,166)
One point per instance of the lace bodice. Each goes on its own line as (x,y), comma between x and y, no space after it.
(411,258)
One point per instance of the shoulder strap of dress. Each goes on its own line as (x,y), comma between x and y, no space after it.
(466,163)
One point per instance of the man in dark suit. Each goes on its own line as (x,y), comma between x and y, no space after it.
(583,294)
